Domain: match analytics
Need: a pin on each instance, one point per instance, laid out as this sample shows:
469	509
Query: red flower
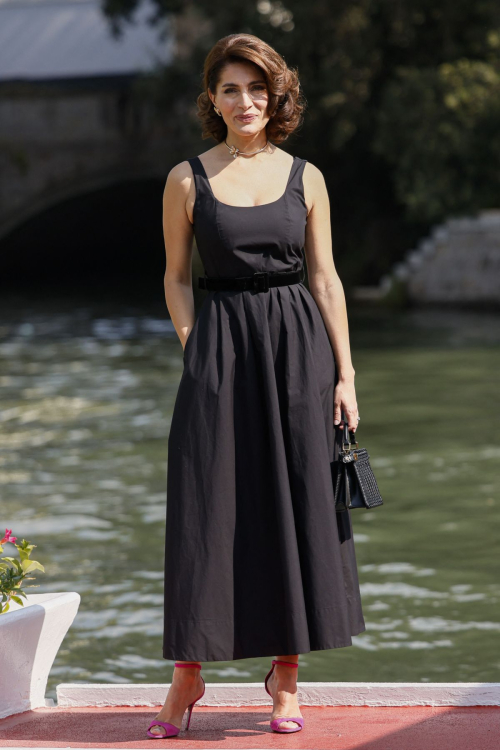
8	537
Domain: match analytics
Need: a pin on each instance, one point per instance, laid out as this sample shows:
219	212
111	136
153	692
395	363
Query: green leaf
30	565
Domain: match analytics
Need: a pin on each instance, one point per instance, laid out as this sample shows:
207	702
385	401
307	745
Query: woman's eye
256	88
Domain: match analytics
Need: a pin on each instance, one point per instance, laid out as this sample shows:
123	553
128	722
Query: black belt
260	281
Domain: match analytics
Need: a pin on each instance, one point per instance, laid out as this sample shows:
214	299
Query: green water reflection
85	416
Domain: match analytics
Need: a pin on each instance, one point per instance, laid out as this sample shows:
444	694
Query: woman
257	561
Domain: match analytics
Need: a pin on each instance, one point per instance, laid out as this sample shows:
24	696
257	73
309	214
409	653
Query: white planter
30	638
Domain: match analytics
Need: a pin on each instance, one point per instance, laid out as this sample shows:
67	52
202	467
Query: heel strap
288	663
188	664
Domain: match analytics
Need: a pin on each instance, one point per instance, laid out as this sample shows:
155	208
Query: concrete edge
70	695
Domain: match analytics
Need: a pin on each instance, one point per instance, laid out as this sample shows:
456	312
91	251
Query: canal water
86	403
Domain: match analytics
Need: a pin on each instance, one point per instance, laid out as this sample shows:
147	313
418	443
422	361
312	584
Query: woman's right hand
345	400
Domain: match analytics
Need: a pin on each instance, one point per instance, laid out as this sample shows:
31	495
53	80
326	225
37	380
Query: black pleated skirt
257	561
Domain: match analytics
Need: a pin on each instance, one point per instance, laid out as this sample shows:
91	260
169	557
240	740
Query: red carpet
366	728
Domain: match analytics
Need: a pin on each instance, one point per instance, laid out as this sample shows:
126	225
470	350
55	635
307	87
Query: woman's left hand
345	400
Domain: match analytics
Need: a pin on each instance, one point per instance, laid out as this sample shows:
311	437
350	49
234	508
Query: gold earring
218	111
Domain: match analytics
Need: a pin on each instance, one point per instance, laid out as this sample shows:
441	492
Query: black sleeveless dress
257	561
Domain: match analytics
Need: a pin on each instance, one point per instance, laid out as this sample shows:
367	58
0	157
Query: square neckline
260	205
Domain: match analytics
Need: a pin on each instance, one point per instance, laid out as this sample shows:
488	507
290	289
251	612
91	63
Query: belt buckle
261	281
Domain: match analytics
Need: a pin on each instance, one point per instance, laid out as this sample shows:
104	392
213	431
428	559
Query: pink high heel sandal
170	729
275	723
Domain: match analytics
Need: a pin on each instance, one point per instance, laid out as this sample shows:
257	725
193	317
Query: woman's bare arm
178	237
327	290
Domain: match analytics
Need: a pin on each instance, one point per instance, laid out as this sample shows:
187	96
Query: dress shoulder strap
197	166
297	169
200	176
295	183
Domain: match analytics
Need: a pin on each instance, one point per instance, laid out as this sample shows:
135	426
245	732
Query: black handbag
354	484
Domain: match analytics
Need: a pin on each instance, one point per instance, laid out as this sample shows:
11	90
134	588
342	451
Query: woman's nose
246	99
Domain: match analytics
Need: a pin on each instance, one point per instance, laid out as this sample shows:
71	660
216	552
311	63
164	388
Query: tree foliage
403	104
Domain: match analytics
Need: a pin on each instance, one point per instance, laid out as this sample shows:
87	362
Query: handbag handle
347	434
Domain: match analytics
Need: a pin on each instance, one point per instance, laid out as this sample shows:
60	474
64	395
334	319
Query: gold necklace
236	151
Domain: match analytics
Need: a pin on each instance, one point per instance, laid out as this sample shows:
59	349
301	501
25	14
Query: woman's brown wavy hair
286	100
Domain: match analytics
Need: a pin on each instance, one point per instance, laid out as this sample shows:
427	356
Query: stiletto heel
275	723
170	729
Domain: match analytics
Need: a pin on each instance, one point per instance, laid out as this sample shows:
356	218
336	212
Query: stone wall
69	139
459	262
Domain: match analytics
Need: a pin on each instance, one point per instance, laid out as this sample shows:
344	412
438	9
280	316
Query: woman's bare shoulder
313	175
179	184
180	174
314	184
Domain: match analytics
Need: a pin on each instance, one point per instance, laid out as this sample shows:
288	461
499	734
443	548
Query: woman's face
242	97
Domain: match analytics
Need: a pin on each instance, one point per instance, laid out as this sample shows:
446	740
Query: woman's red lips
245	117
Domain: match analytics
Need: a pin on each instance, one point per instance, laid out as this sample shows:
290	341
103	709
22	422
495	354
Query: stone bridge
62	142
